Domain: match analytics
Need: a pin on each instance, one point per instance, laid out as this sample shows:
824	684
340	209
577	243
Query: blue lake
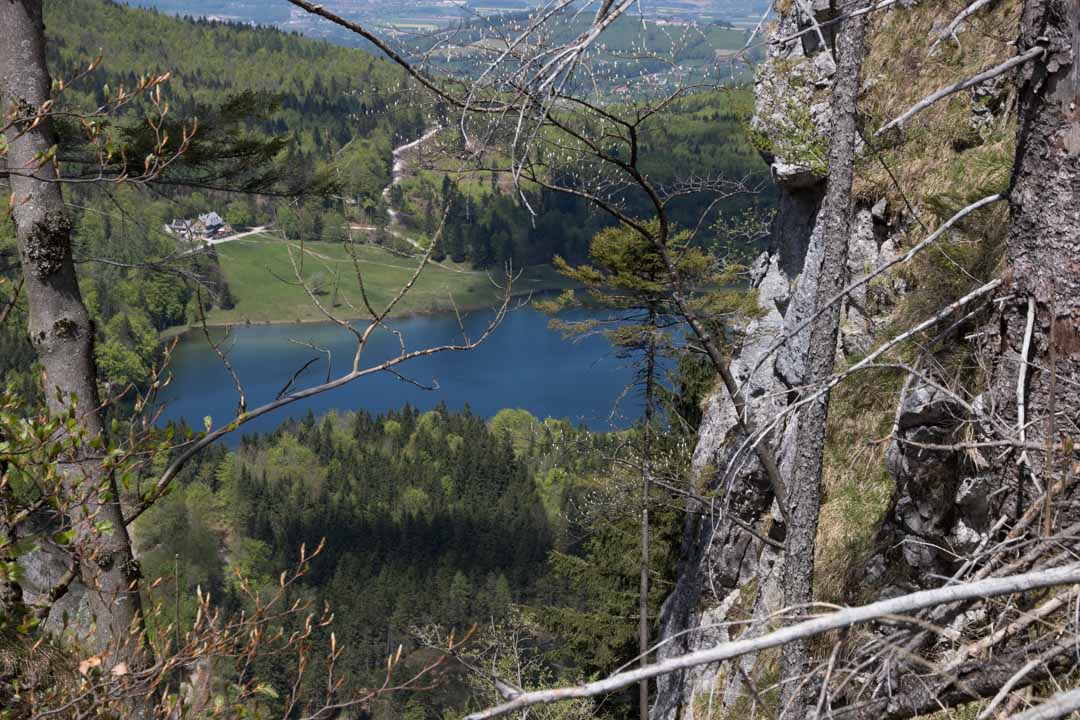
524	364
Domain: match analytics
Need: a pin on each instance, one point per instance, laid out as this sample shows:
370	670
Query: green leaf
64	538
24	546
11	571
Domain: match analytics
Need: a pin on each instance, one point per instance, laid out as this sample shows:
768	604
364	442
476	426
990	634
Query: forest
298	125
269	102
488	226
432	520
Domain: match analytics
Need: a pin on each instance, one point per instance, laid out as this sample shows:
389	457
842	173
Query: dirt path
237	236
398	173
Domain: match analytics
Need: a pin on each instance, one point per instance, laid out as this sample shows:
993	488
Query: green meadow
262	276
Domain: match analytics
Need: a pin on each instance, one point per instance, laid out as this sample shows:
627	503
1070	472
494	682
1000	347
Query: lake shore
179	331
255	271
254	268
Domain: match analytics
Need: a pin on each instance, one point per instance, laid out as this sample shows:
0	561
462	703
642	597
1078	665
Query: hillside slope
275	112
882	502
327	94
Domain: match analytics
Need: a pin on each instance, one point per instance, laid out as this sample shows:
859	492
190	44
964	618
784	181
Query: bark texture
61	330
1043	255
646	460
804	495
725	573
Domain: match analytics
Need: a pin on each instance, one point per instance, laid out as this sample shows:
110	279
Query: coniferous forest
431	520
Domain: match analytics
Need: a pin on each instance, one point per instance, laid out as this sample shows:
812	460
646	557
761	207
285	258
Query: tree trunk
804	494
12	607
1043	256
646	469
62	333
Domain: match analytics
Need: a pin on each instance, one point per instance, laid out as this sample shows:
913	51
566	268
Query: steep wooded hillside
277	114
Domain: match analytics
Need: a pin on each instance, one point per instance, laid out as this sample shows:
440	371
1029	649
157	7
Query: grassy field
259	272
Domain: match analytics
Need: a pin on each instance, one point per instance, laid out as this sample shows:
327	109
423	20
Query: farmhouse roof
211	219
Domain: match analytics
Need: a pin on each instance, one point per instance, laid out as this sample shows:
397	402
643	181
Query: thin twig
1021	382
944	92
848	617
950	31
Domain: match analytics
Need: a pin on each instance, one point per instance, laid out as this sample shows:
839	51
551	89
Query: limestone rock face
792	176
726	572
926	478
873	243
718	557
41	569
791	109
724	569
939	508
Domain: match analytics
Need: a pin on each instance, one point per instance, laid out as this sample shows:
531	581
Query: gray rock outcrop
727	572
938	513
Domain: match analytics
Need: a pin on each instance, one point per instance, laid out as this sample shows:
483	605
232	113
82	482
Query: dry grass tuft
940	152
26	670
856	488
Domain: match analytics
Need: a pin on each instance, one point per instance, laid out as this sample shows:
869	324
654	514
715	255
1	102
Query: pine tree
628	276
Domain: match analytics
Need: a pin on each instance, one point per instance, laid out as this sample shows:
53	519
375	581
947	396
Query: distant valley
434	13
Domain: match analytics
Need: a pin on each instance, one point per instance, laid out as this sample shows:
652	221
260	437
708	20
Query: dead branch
845	618
877	272
754	439
950	31
1057	706
829	23
1035	52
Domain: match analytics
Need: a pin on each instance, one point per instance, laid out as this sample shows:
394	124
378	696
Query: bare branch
1021	380
11	303
1035	52
950	31
840	619
877	272
829	23
1065	646
1057	706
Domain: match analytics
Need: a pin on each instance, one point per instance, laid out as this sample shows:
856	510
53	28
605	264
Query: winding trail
237	236
397	175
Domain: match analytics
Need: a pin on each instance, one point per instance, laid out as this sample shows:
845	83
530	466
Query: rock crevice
725	572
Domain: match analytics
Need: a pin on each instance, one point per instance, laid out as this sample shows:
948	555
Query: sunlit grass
263	282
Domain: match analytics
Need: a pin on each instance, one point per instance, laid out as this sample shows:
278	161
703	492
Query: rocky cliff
889	508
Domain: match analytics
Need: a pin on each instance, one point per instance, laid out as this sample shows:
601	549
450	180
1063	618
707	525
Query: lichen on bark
46	244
